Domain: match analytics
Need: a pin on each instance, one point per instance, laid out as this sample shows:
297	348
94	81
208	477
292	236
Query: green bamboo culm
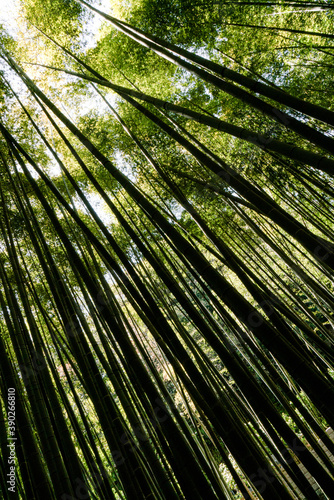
178	342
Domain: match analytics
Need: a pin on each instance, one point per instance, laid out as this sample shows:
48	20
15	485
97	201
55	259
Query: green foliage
60	17
165	293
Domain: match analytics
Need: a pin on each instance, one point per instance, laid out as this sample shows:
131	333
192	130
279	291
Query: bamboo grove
152	354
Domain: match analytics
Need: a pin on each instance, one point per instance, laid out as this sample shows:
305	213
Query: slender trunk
172	52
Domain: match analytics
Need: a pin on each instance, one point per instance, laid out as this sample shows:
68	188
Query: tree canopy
167	250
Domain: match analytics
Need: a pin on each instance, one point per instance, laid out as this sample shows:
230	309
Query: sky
8	14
